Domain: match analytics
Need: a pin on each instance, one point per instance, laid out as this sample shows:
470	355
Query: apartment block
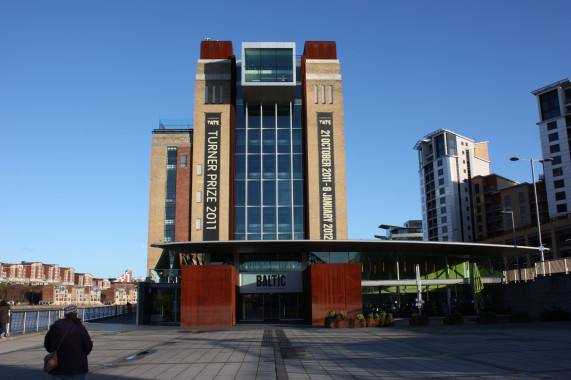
447	164
554	105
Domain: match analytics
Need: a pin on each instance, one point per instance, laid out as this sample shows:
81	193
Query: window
553	136
522	210
443	210
477	188
183	160
330	94
444	219
439	163
441	181
554	148
477	199
551	125
439	141
559	184
508	201
442	191
556	160
523	220
444	238
442	200
316	94
549	104
557	172
521	197
198	224
198	196
205	94
199	169
440	171
562	208
560	196
444	229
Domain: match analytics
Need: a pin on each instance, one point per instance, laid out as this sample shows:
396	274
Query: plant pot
373	322
340	324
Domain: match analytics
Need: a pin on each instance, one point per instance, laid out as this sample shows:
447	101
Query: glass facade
170	199
269	185
268	65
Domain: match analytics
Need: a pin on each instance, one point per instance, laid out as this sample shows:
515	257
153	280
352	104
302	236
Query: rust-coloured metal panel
216	50
183	196
320	50
333	287
208	295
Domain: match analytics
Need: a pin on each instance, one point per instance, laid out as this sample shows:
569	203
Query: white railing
24	321
547	268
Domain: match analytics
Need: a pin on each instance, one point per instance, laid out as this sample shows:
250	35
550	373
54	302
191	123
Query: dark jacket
72	354
4	317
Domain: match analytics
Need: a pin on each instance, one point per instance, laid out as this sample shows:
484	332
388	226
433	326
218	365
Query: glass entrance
271	306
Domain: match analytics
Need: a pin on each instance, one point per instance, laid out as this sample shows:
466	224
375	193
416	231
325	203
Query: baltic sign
326	175
285	282
212	176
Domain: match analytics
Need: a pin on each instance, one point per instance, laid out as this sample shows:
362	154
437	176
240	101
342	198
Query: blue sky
83	84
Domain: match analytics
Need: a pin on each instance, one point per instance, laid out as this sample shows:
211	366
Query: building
554	104
412	230
169	190
253	227
268	157
447	164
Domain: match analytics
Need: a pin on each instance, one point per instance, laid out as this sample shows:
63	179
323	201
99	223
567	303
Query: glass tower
269	183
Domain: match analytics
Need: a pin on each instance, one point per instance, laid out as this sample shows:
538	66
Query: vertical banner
327	228
211	176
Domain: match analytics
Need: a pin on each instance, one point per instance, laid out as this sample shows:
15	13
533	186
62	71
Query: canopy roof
382	246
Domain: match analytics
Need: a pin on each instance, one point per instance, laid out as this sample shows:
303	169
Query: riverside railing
547	268
23	321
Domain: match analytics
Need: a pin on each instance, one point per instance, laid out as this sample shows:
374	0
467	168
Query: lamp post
510	212
531	160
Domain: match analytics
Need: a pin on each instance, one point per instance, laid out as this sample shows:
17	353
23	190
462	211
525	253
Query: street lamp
531	160
513	224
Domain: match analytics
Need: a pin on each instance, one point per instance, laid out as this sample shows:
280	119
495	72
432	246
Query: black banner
326	175
211	176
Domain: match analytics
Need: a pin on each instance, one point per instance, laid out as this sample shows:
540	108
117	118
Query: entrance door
271	306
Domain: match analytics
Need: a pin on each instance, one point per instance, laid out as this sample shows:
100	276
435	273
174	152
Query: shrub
370	316
330	318
343	315
360	317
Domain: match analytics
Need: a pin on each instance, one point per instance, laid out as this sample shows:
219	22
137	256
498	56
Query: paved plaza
125	351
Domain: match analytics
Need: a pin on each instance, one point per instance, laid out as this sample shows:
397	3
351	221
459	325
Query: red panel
333	287
320	50
216	50
208	295
183	195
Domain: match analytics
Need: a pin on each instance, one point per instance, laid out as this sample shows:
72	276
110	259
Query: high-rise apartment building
447	164
266	157
554	104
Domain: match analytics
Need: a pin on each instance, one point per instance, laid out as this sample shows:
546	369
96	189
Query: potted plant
419	320
343	321
487	317
330	318
373	320
361	321
389	320
455	318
